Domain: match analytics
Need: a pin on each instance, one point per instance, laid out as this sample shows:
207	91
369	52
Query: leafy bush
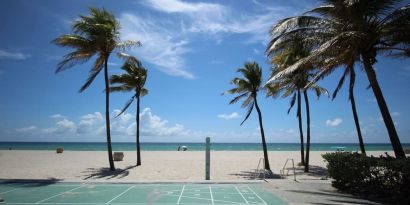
383	177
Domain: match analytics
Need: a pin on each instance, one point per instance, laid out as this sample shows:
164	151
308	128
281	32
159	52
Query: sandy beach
156	165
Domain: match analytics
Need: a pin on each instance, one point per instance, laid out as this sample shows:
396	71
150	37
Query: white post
207	158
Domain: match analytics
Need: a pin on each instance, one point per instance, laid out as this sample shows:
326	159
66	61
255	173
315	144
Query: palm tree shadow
105	172
315	171
253	175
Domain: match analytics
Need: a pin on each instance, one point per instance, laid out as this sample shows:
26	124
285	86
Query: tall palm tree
288	86
248	88
367	27
293	85
94	35
352	76
133	79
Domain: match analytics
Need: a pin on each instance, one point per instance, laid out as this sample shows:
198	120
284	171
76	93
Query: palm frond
127	104
237	98
248	113
143	92
292	102
98	65
340	84
122	88
248	100
74	58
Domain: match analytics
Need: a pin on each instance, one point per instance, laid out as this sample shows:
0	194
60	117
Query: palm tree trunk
307	132
355	116
388	121
138	131
107	114
265	150
302	146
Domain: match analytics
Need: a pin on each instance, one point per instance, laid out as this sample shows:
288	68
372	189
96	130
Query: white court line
13	189
212	197
122	193
182	191
257	195
58	194
236	187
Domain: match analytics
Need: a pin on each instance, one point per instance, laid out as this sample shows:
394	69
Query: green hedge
384	177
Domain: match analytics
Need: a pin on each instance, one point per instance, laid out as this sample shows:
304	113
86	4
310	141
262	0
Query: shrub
383	177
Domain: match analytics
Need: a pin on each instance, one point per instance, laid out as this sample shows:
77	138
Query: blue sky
192	50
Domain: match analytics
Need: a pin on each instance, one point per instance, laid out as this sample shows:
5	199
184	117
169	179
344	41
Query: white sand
156	165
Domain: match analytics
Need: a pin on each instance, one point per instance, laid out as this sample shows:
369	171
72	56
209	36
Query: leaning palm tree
293	85
367	27
248	87
133	79
349	70
94	35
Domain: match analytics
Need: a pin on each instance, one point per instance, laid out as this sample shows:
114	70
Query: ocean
130	146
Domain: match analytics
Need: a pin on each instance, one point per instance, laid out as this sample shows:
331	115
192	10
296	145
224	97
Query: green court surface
124	194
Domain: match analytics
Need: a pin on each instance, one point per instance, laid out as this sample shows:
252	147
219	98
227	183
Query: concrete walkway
311	191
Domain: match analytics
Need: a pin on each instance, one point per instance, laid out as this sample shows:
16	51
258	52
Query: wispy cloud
216	19
166	38
231	116
13	55
161	46
27	129
334	122
395	114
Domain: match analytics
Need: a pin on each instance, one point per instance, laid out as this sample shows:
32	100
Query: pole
207	158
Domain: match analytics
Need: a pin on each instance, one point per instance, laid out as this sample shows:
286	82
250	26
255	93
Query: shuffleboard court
138	194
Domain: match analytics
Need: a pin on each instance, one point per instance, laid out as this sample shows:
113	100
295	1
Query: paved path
318	192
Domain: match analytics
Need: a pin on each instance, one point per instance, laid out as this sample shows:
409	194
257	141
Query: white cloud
395	114
231	116
334	122
57	116
88	121
13	56
215	19
161	46
27	129
122	127
61	127
177	6
165	39
153	125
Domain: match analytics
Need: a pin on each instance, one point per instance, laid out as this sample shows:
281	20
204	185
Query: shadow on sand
94	173
314	171
253	175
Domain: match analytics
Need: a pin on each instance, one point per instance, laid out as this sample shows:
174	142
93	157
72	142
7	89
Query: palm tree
289	87
133	79
352	76
367	27
293	85
93	35
248	87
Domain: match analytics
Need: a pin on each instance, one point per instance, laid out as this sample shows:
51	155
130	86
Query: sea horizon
192	146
